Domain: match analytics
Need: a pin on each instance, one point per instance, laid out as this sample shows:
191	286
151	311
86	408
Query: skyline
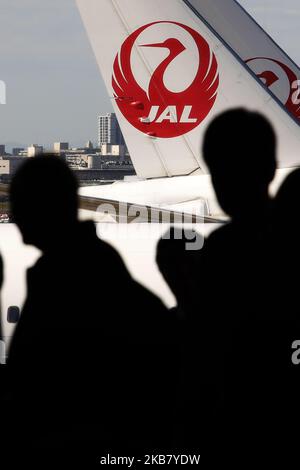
54	88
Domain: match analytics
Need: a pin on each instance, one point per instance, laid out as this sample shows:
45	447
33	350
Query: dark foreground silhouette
240	151
286	337
92	359
2	351
1	282
246	263
97	364
235	348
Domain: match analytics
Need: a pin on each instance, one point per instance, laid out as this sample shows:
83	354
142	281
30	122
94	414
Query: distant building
4	167
76	160
61	147
17	150
89	145
34	150
114	150
94	162
2	149
76	151
23	153
109	131
9	165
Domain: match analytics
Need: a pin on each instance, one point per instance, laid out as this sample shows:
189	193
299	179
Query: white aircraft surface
169	67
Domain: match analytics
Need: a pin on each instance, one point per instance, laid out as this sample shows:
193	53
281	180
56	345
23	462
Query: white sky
54	88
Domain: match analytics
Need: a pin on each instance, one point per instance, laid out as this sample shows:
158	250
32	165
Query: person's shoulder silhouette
239	149
44	204
84	315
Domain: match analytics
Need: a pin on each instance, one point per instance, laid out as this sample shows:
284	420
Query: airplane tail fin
255	47
171	66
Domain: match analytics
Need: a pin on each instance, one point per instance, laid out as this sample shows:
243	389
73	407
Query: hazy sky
54	89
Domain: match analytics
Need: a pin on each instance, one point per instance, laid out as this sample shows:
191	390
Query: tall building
109	131
60	147
34	150
2	149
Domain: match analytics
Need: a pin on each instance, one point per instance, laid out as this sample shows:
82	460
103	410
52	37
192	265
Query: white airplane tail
169	71
255	47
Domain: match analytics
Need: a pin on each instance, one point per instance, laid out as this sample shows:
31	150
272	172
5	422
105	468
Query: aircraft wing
126	212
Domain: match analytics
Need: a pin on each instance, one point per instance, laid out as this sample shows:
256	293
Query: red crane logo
284	85
158	111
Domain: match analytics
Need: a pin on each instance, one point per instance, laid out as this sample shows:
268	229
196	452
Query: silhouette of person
1	283
233	295
2	347
176	256
286	207
93	356
287	315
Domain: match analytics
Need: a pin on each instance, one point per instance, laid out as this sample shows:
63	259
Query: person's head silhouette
44	201
240	151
